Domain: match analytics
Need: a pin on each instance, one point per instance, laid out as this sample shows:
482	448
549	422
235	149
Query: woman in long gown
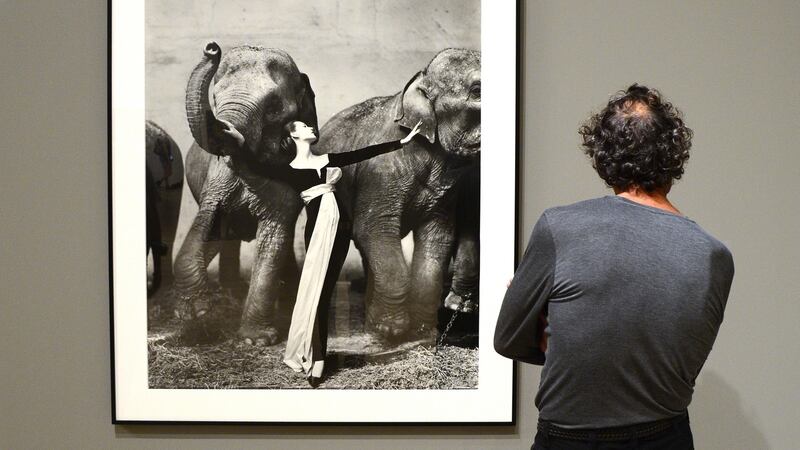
327	237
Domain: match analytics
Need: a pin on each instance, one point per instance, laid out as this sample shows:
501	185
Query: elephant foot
260	337
158	313
461	303
389	323
193	306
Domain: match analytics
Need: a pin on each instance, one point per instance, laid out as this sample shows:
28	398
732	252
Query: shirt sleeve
518	331
722	279
354	156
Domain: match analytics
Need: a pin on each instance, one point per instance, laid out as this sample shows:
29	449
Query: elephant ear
414	106
308	105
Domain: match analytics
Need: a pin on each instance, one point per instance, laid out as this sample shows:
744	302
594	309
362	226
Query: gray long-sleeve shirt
634	296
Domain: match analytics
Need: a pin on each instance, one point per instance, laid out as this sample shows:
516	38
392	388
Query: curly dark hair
638	139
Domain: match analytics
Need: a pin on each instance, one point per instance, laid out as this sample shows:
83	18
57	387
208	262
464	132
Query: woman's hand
411	135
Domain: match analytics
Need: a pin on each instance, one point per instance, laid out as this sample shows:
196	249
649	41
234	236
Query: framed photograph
327	241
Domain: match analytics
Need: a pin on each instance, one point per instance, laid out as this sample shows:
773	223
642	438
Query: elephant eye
273	108
475	92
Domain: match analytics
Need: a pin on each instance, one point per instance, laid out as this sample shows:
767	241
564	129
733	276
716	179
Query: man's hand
543	335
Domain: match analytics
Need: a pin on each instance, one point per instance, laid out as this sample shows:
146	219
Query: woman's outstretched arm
351	157
354	156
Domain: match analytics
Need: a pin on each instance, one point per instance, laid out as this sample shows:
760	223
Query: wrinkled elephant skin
164	168
413	189
256	91
463	295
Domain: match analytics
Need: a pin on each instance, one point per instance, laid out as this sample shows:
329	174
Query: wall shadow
720	420
306	432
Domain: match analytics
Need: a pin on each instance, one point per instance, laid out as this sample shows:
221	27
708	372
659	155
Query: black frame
518	140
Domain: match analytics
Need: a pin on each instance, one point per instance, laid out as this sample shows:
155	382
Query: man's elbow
505	347
509	350
501	347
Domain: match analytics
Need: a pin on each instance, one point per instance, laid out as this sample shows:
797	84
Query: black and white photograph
316	244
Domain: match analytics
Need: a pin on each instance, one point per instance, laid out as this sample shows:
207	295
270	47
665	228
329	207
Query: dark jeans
678	437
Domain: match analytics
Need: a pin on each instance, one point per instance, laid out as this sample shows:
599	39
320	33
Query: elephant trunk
198	108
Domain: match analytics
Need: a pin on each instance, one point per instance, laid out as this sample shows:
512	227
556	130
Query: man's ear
413	105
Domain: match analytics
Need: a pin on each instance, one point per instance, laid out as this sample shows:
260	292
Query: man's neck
657	198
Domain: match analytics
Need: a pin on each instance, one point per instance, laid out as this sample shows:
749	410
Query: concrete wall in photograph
351	50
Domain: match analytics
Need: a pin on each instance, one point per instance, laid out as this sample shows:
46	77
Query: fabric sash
333	175
298	353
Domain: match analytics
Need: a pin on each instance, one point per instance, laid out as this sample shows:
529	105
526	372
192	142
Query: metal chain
447	328
467	299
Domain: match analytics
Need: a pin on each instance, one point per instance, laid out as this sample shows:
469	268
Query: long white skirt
298	345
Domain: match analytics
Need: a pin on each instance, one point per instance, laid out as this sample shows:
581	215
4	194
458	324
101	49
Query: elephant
164	182
414	189
463	295
256	91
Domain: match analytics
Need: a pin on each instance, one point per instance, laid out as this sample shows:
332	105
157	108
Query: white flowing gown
315	267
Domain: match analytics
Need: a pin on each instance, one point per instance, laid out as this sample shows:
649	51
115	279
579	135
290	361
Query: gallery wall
730	66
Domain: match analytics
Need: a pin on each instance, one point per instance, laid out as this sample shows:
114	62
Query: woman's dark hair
637	139
287	143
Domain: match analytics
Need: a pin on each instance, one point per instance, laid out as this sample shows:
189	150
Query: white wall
731	66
